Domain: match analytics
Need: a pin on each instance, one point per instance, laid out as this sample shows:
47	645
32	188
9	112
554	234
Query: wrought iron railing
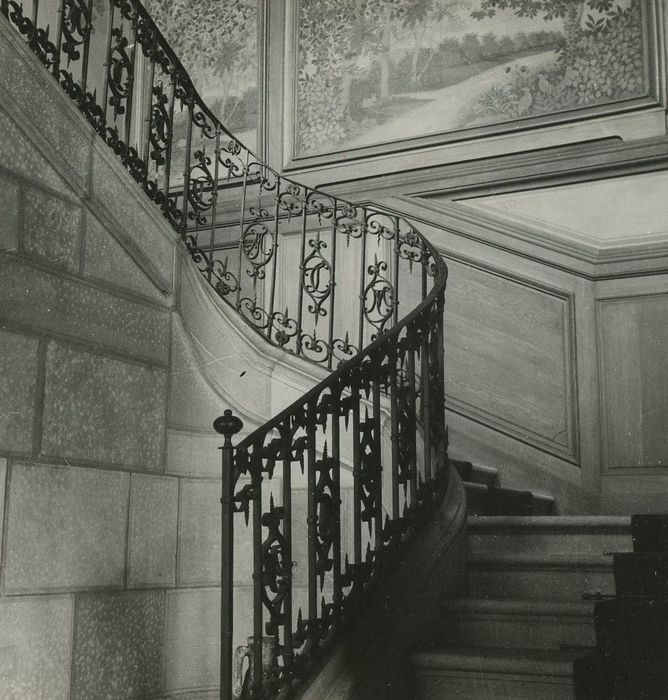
316	275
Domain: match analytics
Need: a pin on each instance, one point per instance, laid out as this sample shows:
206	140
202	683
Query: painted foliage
216	40
377	71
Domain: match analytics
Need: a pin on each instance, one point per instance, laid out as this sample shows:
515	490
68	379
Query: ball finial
228	424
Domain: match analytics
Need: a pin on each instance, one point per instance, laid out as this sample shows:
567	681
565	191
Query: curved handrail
386	370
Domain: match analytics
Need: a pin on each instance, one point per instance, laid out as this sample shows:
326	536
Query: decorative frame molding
571	451
654	23
643	289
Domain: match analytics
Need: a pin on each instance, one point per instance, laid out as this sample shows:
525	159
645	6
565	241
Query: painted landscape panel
380	71
216	40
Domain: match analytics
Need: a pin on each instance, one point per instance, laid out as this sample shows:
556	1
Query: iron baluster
424	272
287	645
227	425
214	203
242	226
86	48
170	131
148	109
396	271
59	37
300	286
425	405
362	275
132	52
34	11
107	63
333	287
258	630
357	471
337	594
394	432
312	513
186	175
376	481
411	434
272	294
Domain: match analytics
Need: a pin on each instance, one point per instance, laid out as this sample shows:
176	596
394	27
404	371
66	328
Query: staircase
528	612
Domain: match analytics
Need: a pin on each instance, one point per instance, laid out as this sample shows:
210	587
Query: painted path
444	109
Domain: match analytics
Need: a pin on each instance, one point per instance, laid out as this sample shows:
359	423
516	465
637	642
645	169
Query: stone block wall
110	550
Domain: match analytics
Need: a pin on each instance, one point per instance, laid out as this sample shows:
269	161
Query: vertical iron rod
332	282
214	204
357	471
59	37
107	63
86	51
396	270
274	262
312	512
129	101
287	547
412	420
256	663
186	173
227	425
336	496
425	405
378	464
149	117
170	136
300	286
242	224
362	274
394	437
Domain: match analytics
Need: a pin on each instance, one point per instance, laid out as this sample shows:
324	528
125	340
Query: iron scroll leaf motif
317	277
160	126
120	71
276	569
75	28
379	297
201	188
37	37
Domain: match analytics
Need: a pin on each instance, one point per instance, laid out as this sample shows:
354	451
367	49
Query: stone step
476	474
537	577
483	500
491	674
579	535
518	623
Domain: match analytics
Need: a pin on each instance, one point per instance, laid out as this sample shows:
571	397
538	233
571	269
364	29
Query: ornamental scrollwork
317	277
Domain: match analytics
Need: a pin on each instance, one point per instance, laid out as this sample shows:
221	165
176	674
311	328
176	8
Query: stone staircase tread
493	560
546	523
523	606
535	662
485	475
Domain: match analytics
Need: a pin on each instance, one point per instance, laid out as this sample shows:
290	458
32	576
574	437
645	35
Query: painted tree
217	42
427	21
571	11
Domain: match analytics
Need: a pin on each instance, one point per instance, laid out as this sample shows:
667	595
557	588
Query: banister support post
227	425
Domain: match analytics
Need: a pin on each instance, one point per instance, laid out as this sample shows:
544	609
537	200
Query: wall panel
510	357
633	337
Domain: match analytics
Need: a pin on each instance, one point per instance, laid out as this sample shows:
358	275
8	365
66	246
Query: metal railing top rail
272	245
131	86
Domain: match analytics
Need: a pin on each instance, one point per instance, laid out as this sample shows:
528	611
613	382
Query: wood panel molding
632	341
507	333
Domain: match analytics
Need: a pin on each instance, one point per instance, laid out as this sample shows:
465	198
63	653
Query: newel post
227	425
